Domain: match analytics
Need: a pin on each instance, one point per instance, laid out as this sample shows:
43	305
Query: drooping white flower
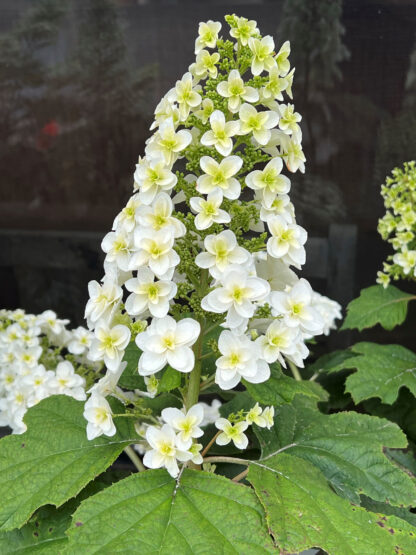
236	91
221	133
296	307
255	416
281	206
207	108
163	111
220	176
207	35
275	272
184	94
211	412
98	413
205	65
244	30
328	309
268	415
208	210
269	181
240	359
155	248
232	432
118	246
275	86
287	241
235	295
257	123
164	452
80	341
407	260
282	61
289	119
148	294
187	425
126	219
103	300
221	251
166	341
158	216
195	450
152	177
279	340
109	345
66	382
262	50
168	142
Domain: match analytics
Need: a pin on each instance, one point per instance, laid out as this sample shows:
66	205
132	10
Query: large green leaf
331	362
152	513
53	460
376	305
280	389
381	371
302	511
347	447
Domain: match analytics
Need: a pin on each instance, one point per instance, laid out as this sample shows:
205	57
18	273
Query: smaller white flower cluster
172	441
32	366
398	225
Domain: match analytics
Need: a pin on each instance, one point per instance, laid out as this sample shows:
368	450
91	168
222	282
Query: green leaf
152	513
331	362
376	305
53	460
130	378
302	511
385	509
280	389
347	447
160	402
171	379
381	371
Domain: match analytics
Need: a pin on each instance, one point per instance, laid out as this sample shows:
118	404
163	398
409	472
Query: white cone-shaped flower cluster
39	357
209	236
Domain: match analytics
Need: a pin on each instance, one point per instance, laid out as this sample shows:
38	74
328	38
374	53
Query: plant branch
231	460
210	443
134	458
294	370
240	476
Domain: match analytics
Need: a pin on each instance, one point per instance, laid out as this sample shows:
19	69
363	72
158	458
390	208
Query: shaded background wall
79	80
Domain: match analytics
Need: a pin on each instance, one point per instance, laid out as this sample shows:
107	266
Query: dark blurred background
79	80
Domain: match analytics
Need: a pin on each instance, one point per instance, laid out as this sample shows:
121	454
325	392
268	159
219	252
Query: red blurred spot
44	139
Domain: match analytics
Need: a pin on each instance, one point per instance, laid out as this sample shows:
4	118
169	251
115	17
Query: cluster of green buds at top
398	225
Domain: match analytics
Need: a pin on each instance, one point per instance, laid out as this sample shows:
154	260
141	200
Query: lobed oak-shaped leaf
381	371
302	511
376	305
347	447
152	513
53	460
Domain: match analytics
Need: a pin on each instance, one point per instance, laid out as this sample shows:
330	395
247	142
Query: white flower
166	341
148	294
220	176
281	206
30	356
205	65
153	176
165	110
152	385
255	416
274	271
164	452
282	61
67	382
168	142
118	245
126	219
244	30
275	86
295	306
240	359
208	211
98	413
186	424
293	154
206	110
268	415
38	383
222	251
155	248
195	449
287	241
80	341
257	123
104	300
262	50
269	181
49	322
289	119
159	216
279	340
407	260
220	133
207	35
211	412
184	94
109	345
328	309
230	432
236	294
235	90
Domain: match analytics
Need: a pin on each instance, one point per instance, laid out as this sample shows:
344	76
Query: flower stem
240	476
231	460
134	458
294	370
210	443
